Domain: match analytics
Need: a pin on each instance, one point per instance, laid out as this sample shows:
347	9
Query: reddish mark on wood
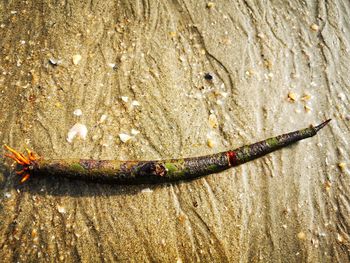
232	158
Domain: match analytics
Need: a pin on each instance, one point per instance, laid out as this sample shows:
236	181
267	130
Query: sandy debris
134	132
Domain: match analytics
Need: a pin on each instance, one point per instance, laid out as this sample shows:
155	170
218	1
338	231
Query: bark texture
290	206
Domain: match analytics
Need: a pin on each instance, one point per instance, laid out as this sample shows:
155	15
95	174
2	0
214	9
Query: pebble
342	166
301	235
307	108
292	96
76	59
210	143
314	27
210	5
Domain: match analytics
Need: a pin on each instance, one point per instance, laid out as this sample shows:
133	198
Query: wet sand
275	67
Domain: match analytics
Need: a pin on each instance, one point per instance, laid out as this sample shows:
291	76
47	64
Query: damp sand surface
151	80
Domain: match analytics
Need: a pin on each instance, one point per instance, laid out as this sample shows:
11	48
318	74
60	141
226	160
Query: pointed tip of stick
320	126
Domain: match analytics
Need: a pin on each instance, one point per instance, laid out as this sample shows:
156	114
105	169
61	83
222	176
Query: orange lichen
19	158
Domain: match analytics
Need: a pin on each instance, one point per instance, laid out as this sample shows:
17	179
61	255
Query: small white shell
61	209
124	137
134	132
135	103
124	98
103	118
76	59
79	130
146	190
78	112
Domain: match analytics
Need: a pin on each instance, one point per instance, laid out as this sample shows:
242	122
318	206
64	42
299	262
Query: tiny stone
172	34
261	35
306	97
34	233
210	143
76	59
314	27
210	5
307	108
112	65
301	235
340	238
124	137
292	96
342	166
224	94
342	96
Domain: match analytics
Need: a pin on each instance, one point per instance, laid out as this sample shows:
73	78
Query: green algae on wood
136	172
